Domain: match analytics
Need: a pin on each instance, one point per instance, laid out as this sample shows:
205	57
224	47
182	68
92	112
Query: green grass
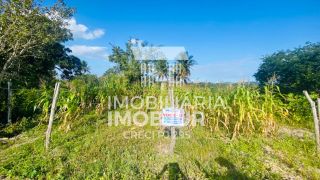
93	150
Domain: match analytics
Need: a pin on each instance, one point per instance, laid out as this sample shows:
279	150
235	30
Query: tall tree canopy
125	62
31	37
293	70
54	57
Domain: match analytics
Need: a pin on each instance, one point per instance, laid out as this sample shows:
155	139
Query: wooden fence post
315	117
52	112
172	128
9	102
318	102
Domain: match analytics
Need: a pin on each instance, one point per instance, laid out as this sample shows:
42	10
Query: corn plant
43	103
240	109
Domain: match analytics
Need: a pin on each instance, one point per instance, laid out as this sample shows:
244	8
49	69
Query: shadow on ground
232	172
173	170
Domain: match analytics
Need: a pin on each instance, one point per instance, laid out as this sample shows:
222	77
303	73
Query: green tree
128	66
25	28
31	47
31	37
69	65
52	60
125	62
292	70
185	67
161	69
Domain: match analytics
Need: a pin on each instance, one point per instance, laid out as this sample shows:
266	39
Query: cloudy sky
226	38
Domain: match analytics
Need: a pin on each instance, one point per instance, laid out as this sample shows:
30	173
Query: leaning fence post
315	117
53	107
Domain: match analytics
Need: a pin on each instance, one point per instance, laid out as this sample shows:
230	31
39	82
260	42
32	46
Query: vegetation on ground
249	130
94	150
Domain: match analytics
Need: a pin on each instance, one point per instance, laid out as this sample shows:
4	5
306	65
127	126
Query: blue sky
226	38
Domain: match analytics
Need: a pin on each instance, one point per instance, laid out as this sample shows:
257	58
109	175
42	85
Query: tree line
292	70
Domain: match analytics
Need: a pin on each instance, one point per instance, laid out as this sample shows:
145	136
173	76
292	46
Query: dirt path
296	132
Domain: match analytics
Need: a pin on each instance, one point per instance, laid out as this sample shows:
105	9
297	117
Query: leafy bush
18	127
299	108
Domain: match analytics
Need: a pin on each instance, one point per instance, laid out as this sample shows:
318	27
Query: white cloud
82	32
90	52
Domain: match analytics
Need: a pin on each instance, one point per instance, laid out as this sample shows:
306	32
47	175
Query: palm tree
183	71
161	69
